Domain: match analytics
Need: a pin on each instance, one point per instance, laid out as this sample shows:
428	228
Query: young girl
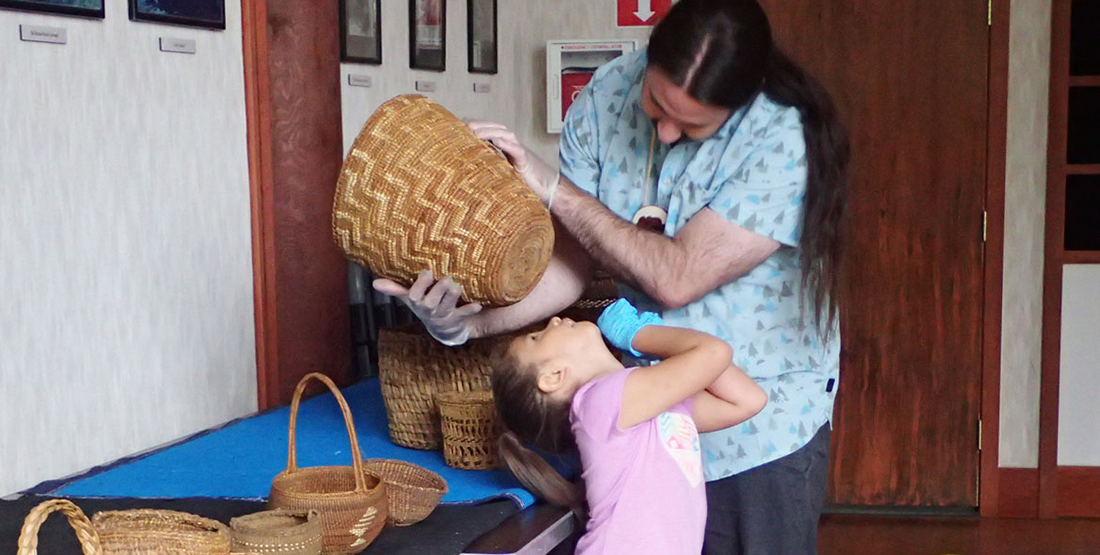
636	428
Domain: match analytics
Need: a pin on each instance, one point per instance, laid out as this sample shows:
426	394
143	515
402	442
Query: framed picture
83	8
481	35
428	34
192	13
361	31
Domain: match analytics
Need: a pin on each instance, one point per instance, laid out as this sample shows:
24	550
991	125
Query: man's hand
436	307
540	176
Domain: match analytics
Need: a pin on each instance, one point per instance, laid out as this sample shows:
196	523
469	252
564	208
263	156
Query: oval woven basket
351	500
85	532
149	531
413	491
279	531
419	191
470	430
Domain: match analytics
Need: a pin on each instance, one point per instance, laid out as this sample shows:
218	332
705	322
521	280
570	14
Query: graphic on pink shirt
681	440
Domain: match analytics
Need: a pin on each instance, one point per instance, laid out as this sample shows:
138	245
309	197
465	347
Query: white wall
517	98
126	318
1025	202
1079	381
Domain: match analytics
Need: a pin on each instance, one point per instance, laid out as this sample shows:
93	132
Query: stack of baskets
417	374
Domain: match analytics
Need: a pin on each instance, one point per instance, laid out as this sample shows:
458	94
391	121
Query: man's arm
708	252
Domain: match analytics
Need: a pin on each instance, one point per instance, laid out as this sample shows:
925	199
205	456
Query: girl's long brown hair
531	417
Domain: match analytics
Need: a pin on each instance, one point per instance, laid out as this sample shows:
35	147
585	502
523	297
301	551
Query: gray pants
772	509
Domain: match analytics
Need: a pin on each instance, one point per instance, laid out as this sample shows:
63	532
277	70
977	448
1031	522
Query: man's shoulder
617	77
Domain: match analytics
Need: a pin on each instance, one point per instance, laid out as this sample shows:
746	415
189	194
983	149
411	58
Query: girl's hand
620	322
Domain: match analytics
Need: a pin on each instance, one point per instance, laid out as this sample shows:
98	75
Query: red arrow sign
641	13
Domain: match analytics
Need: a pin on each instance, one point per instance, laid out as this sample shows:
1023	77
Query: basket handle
356	456
85	533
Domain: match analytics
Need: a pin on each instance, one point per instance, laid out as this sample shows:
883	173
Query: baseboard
1078	491
1018	495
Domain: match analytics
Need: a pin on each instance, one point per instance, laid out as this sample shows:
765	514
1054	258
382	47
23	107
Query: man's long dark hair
721	52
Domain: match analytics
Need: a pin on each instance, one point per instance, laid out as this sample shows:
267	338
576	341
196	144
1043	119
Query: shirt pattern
753	172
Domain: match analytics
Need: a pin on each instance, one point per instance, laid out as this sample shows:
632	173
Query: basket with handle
151	532
419	191
412	491
85	532
470	430
351	500
281	531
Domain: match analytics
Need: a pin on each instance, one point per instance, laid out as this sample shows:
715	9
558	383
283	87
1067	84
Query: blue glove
620	322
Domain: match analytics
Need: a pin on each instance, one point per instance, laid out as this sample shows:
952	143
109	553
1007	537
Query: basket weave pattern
413	368
85	533
351	500
148	531
412	491
419	191
279	531
470	430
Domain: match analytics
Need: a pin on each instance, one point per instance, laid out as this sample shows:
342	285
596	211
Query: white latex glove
435	307
540	176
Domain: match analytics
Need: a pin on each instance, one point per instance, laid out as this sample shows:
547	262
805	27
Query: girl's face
568	354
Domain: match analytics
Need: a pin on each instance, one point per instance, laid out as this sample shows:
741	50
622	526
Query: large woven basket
470	430
419	191
412	491
279	531
85	533
351	500
413	368
153	532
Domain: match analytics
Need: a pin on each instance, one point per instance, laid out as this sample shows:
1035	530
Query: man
736	159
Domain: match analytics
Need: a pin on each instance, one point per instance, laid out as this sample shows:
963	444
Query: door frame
996	160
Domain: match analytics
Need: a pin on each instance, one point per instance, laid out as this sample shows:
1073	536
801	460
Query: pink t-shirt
645	483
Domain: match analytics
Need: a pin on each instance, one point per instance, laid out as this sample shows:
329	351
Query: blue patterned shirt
753	172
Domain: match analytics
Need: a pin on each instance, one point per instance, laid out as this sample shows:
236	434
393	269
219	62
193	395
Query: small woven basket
279	531
85	533
152	532
412	491
419	191
351	500
470	430
413	368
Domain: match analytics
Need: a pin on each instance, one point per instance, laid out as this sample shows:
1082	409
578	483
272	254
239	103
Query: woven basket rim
282	477
441	486
247	523
123	521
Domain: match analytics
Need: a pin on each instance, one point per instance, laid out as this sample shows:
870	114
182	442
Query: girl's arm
730	400
692	361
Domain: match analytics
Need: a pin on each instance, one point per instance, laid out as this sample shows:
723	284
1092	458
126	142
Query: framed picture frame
361	31
208	14
428	34
481	36
80	8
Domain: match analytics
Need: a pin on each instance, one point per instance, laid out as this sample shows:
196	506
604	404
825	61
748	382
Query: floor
856	535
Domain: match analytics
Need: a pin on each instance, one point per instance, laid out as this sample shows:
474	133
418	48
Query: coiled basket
419	191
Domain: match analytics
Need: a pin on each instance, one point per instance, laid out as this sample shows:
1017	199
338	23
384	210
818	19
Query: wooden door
910	77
